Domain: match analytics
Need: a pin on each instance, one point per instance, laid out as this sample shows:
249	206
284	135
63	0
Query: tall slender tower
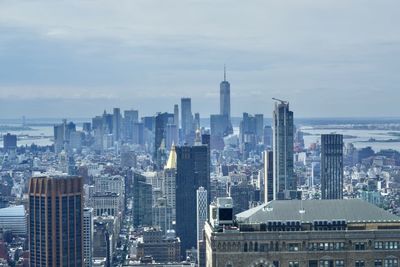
332	166
87	236
187	119
225	97
176	120
268	175
284	180
55	221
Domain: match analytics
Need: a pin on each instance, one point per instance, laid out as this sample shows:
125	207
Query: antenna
224	73
282	101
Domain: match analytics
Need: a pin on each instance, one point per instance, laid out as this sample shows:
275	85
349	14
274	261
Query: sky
331	58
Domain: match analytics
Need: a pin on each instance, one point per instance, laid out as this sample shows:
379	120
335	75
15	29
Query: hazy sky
76	58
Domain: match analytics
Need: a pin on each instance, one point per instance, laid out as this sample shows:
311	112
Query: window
359	246
391	263
378	263
293	264
359	264
312	263
275	263
293	247
339	263
326	263
378	245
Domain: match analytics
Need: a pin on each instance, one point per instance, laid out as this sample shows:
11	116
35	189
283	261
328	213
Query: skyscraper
268	175
176	120
116	124
187	120
332	166
142	201
9	141
193	171
201	210
225	97
55	221
87	237
284	180
162	120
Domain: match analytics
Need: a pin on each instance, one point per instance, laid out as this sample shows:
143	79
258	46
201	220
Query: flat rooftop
351	210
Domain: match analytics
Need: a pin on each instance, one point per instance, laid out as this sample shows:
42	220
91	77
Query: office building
138	133
267	136
162	248
170	182
192	172
187	121
13	219
225	97
116	124
162	214
268	175
242	194
259	121
9	141
130	118
142	201
55	221
162	120
284	179
87	237
219	128
332	166
295	233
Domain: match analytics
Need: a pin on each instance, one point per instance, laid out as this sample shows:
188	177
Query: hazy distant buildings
9	141
162	120
187	120
55	221
267	136
225	97
284	180
116	124
332	166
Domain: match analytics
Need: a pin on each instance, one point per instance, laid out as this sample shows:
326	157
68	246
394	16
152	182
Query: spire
224	73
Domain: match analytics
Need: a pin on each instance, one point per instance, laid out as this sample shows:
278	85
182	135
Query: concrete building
162	249
332	166
87	237
313	233
55	221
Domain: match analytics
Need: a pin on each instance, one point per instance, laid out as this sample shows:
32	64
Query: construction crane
282	101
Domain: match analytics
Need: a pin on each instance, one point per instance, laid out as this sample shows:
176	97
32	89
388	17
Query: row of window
386	245
390	262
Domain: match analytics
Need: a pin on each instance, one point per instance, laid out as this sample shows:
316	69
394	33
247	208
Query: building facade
283	131
293	233
332	166
55	221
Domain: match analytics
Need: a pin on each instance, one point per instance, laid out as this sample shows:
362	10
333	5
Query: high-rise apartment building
332	166
201	211
284	180
55	221
87	237
268	175
193	171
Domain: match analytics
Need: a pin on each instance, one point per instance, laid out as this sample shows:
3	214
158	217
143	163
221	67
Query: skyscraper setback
55	221
332	166
284	180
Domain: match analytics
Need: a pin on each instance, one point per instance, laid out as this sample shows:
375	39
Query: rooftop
351	210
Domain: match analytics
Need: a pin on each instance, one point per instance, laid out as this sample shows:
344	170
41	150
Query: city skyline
302	51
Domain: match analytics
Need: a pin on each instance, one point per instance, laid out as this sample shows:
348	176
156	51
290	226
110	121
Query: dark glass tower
332	166
55	221
187	120
193	171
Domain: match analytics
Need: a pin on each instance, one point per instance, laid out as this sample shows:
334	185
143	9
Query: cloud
138	50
